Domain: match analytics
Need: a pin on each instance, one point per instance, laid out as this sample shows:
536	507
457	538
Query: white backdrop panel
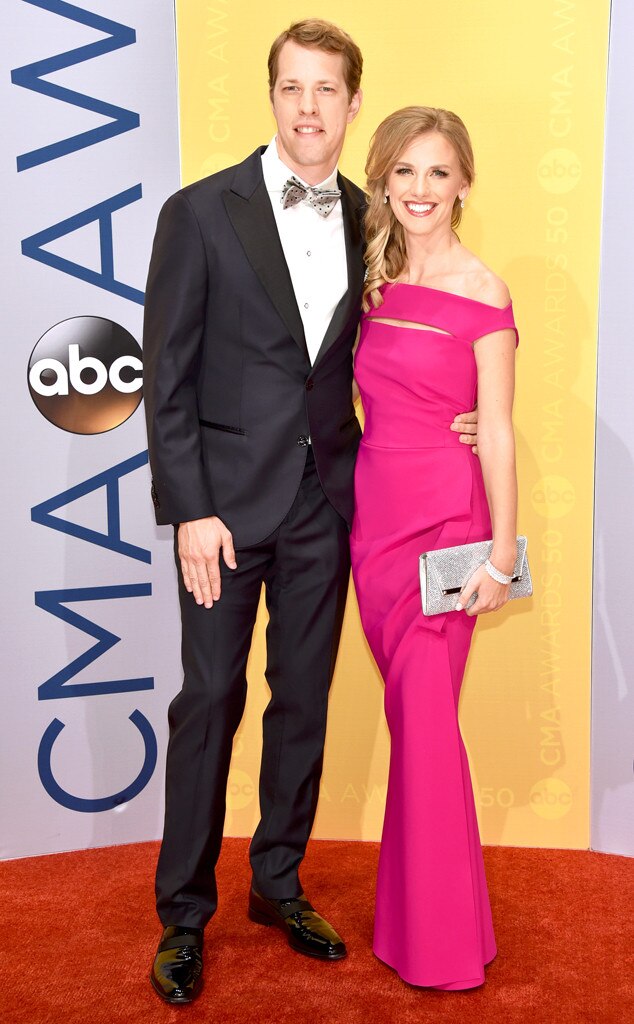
89	99
612	819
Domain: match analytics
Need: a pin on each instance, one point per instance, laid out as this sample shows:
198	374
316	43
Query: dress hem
447	986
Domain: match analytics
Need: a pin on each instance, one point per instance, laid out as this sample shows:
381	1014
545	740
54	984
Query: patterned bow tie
323	200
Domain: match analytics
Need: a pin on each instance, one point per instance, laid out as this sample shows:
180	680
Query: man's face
312	108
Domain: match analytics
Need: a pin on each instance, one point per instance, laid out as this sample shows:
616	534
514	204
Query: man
252	307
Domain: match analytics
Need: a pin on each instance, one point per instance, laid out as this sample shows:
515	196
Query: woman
437	327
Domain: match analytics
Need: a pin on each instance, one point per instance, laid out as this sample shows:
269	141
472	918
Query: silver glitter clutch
443	574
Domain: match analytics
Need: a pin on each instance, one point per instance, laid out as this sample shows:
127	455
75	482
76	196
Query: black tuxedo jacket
230	394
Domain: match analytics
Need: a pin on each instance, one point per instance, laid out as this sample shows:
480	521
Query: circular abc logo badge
217	162
240	790
559	171
553	497
86	375
550	798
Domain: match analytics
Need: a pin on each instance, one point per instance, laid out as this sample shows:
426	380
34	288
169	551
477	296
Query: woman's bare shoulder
483	284
494	290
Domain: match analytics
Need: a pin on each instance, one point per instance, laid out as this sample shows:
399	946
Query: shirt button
305	305
302	441
308	253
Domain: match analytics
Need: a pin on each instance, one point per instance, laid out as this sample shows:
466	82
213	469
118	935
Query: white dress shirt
314	248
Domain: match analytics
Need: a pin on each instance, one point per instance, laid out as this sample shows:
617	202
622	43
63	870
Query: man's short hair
320	35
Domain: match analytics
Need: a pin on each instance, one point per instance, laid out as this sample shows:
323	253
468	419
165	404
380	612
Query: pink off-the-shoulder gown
418	489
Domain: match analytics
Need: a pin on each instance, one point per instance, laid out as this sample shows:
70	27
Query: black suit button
310	384
302	441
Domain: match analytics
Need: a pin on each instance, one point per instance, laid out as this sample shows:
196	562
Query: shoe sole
169	999
259	918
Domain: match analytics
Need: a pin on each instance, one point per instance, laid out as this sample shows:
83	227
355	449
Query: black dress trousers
304	565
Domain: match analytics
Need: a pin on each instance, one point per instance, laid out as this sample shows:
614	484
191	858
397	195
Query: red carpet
80	933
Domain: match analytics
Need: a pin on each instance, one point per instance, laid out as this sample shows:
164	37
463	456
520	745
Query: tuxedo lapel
352	210
249	209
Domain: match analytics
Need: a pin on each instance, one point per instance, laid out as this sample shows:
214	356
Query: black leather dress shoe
307	932
178	966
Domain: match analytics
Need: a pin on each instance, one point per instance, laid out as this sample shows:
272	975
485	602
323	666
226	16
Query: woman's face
424	183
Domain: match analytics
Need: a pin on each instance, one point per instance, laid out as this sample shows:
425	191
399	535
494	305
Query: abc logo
553	497
240	790
550	798
217	162
86	375
559	171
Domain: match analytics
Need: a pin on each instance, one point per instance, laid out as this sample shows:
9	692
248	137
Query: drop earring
385	195
462	204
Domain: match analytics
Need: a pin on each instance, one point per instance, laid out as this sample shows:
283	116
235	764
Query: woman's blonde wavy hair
385	254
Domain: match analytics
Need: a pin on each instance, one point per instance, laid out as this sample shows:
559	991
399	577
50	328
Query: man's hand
466	424
199	545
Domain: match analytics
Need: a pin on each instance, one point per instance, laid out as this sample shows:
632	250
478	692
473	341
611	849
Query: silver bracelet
495	574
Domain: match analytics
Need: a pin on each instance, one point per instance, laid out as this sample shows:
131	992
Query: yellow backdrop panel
529	81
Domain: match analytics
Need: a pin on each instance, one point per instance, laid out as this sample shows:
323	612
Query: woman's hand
491	594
